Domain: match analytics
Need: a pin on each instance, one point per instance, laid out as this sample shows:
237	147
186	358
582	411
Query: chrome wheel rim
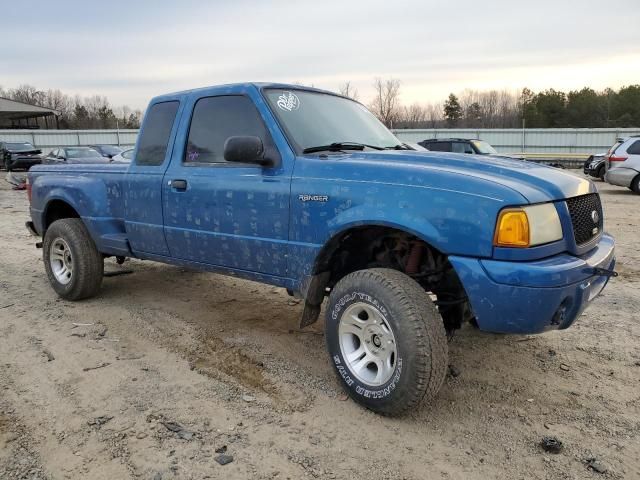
367	344
60	261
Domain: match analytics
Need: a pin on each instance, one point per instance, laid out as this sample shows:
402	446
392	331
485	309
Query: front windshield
313	119
20	147
82	153
484	148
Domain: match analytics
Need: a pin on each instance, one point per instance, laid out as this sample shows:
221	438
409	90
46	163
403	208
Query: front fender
453	222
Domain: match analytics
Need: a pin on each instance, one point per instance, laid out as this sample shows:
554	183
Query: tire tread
89	266
425	323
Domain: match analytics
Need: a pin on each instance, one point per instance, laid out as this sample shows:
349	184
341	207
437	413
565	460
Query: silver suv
623	164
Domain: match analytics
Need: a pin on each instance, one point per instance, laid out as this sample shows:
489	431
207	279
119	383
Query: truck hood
535	182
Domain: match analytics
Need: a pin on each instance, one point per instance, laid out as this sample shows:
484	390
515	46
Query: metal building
14	114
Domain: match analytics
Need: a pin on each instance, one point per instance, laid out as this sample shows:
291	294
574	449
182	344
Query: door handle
178	184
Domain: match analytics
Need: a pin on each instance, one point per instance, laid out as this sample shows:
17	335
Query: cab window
154	138
214	120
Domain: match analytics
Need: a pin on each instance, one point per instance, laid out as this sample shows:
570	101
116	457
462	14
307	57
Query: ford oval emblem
595	217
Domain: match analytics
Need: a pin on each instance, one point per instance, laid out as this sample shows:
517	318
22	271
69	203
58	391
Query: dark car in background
458	145
19	155
68	155
595	166
108	151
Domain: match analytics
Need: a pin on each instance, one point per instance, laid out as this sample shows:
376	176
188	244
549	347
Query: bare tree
386	103
348	90
434	115
26	94
415	114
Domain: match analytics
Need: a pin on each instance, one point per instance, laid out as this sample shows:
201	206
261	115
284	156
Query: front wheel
386	340
73	264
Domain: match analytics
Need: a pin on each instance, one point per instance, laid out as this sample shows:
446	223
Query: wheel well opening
376	246
56	210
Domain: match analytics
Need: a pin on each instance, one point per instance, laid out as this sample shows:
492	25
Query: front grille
586	217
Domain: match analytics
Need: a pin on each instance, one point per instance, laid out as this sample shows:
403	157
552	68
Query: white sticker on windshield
288	101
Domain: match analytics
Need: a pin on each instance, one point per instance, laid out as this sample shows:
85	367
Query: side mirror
245	149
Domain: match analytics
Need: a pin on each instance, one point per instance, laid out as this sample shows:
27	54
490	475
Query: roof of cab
258	85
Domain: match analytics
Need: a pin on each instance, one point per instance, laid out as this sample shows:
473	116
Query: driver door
220	213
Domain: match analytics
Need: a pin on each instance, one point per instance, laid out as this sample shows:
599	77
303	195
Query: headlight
527	226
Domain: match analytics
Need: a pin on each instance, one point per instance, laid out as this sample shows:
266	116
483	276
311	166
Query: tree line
585	108
93	112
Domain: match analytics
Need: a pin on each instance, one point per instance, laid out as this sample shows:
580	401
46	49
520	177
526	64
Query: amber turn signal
512	229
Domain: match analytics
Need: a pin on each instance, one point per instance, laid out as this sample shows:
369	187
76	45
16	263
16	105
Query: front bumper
536	296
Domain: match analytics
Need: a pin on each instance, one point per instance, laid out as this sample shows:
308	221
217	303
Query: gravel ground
167	369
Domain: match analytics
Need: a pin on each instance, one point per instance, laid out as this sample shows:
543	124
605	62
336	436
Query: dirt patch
214	357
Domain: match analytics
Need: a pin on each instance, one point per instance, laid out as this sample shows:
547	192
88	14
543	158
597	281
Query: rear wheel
386	340
72	262
635	184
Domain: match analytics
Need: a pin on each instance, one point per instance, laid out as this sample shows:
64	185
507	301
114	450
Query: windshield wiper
400	146
337	146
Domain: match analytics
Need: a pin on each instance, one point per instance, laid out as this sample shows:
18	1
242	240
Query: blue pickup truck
307	190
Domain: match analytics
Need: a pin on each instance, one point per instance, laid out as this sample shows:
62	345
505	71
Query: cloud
131	51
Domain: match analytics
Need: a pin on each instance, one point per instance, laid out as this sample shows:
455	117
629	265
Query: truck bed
102	211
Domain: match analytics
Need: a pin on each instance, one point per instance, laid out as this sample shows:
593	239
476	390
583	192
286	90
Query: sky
132	50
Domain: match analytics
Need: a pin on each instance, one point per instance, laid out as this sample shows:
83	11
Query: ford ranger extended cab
304	189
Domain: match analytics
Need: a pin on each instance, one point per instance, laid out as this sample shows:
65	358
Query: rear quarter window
154	138
634	148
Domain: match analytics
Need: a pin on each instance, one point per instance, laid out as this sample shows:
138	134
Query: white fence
538	140
47	140
532	140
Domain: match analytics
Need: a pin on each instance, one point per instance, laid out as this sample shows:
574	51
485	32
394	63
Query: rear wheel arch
57	209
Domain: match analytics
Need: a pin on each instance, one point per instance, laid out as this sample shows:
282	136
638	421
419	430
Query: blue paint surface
251	221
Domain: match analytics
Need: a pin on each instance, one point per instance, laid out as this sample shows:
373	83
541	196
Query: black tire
87	264
600	172
635	184
420	364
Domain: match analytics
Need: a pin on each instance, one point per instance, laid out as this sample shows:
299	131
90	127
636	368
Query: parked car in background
461	145
17	155
595	166
623	164
123	157
108	151
75	155
415	146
